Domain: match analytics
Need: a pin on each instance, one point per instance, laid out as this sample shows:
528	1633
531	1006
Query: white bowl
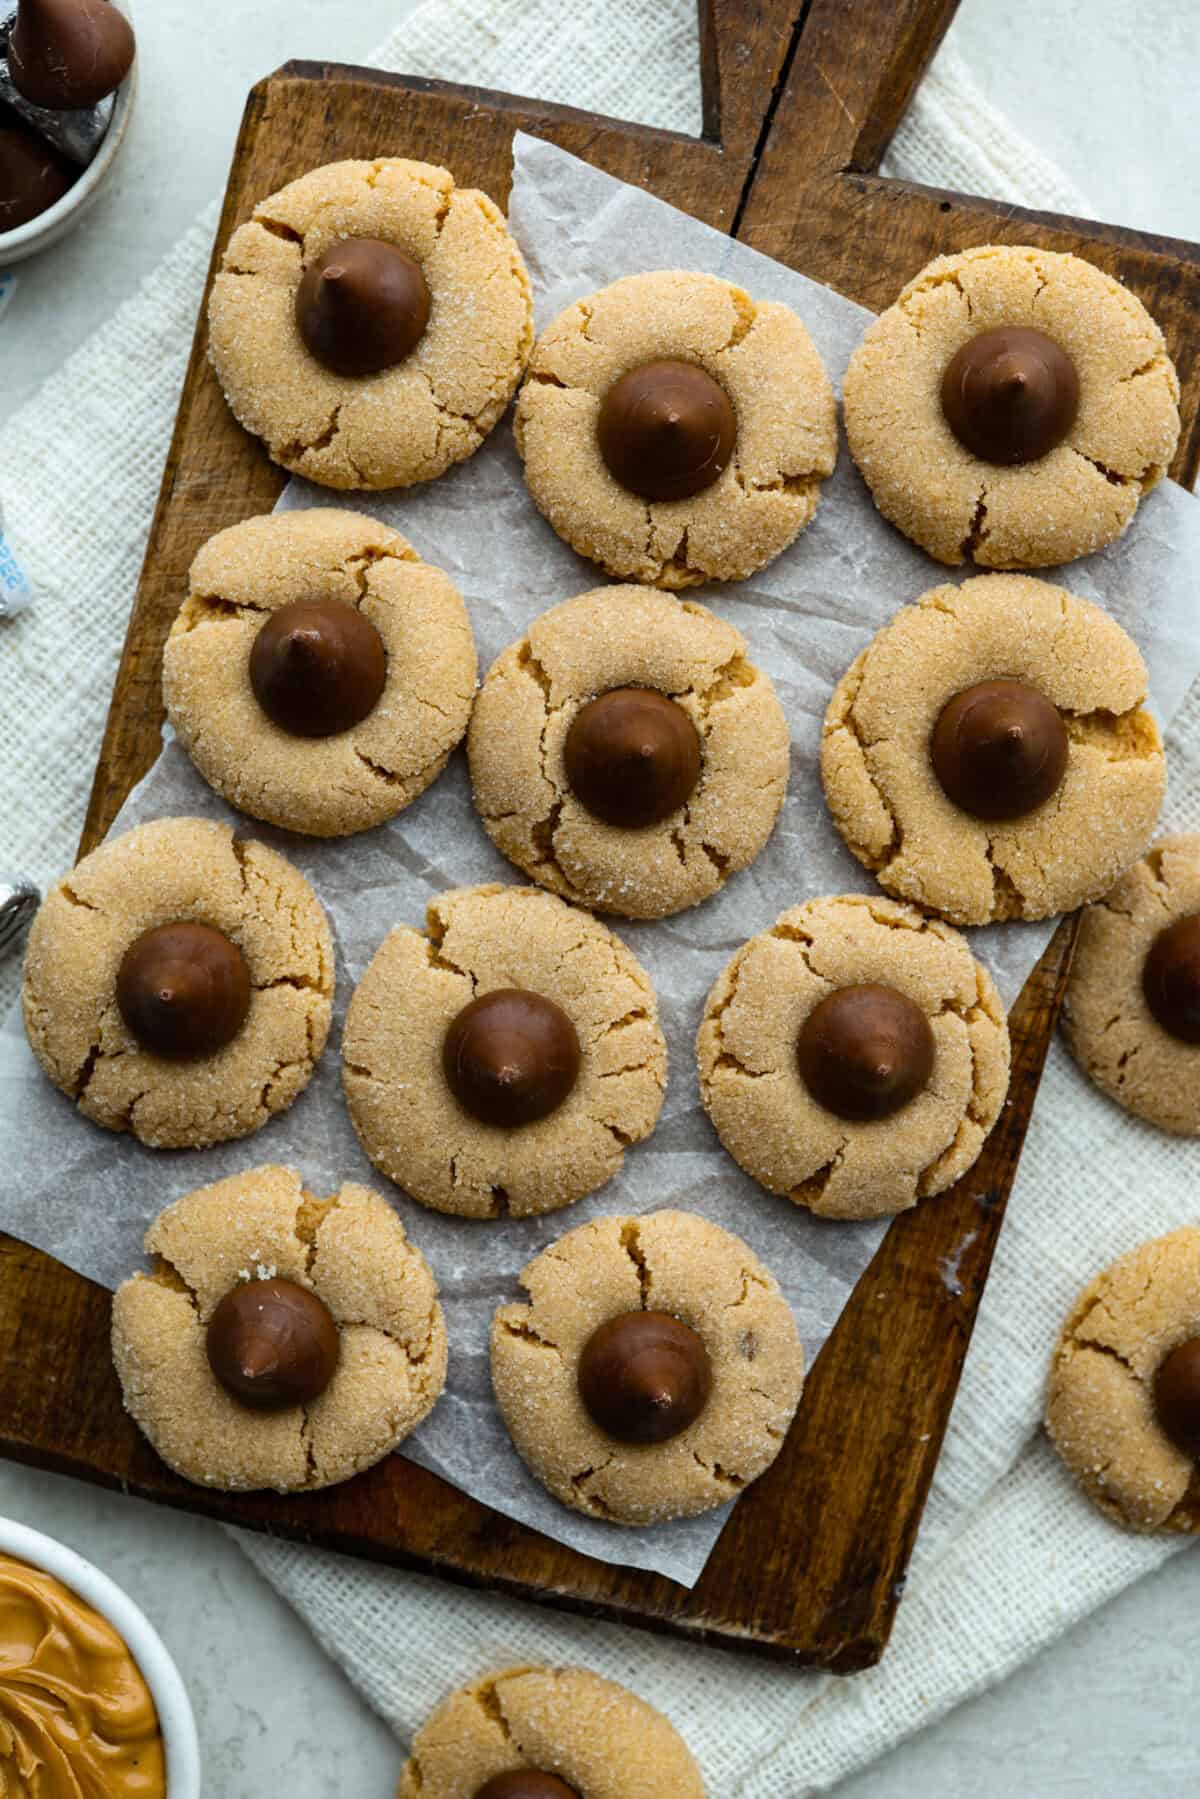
158	1670
38	234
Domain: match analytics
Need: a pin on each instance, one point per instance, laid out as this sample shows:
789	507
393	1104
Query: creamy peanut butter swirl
76	1717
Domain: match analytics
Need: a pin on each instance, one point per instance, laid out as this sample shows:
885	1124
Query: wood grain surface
799	105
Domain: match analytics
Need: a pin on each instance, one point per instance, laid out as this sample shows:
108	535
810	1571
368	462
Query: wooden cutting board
799	106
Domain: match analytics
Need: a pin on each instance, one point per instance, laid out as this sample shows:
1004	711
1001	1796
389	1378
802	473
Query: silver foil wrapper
18	902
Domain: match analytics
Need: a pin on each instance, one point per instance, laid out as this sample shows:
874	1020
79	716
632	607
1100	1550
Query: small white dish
175	1718
53	224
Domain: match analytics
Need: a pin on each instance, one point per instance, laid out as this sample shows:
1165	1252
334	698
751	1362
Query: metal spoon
18	902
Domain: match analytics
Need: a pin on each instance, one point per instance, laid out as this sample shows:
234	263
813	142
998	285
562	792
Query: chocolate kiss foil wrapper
78	134
15	592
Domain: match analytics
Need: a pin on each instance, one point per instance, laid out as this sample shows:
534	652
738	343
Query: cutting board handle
860	63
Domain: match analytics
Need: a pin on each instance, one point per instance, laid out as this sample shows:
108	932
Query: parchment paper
86	1196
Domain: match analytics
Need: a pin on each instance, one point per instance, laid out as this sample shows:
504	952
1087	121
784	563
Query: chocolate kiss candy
632	756
317	667
1171	978
526	1783
64	54
33	176
1010	395
644	1377
666	430
362	306
183	990
510	1057
1177	1396
999	749
865	1051
273	1344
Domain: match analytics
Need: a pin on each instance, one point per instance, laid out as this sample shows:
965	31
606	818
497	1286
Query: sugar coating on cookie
621	637
751	1082
786	443
600	1739
351	1251
1106	1021
325	786
887	801
1074	499
1100	1406
671	1262
409	422
157	874
480	940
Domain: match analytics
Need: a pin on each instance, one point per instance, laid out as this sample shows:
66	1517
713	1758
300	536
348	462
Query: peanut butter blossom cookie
854	1057
676	431
627	754
503	1059
280	1340
1123	1406
319	673
989	754
653	1372
1012	407
179	984
1131	1016
548	1733
370	322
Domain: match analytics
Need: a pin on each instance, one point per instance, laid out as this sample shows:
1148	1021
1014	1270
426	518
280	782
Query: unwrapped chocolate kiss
67	54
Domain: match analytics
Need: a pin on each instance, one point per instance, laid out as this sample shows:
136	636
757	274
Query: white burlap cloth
1009	1555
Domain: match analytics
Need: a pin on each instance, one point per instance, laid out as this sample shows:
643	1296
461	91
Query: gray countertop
1109	92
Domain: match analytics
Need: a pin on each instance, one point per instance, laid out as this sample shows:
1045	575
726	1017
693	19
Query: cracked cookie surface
750	1078
673	1262
409	422
888	804
160	873
325	786
478	940
628	637
762	356
1071	501
1100	1409
349	1249
597	1737
1106	1022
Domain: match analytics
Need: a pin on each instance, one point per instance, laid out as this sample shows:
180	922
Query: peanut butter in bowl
77	1720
